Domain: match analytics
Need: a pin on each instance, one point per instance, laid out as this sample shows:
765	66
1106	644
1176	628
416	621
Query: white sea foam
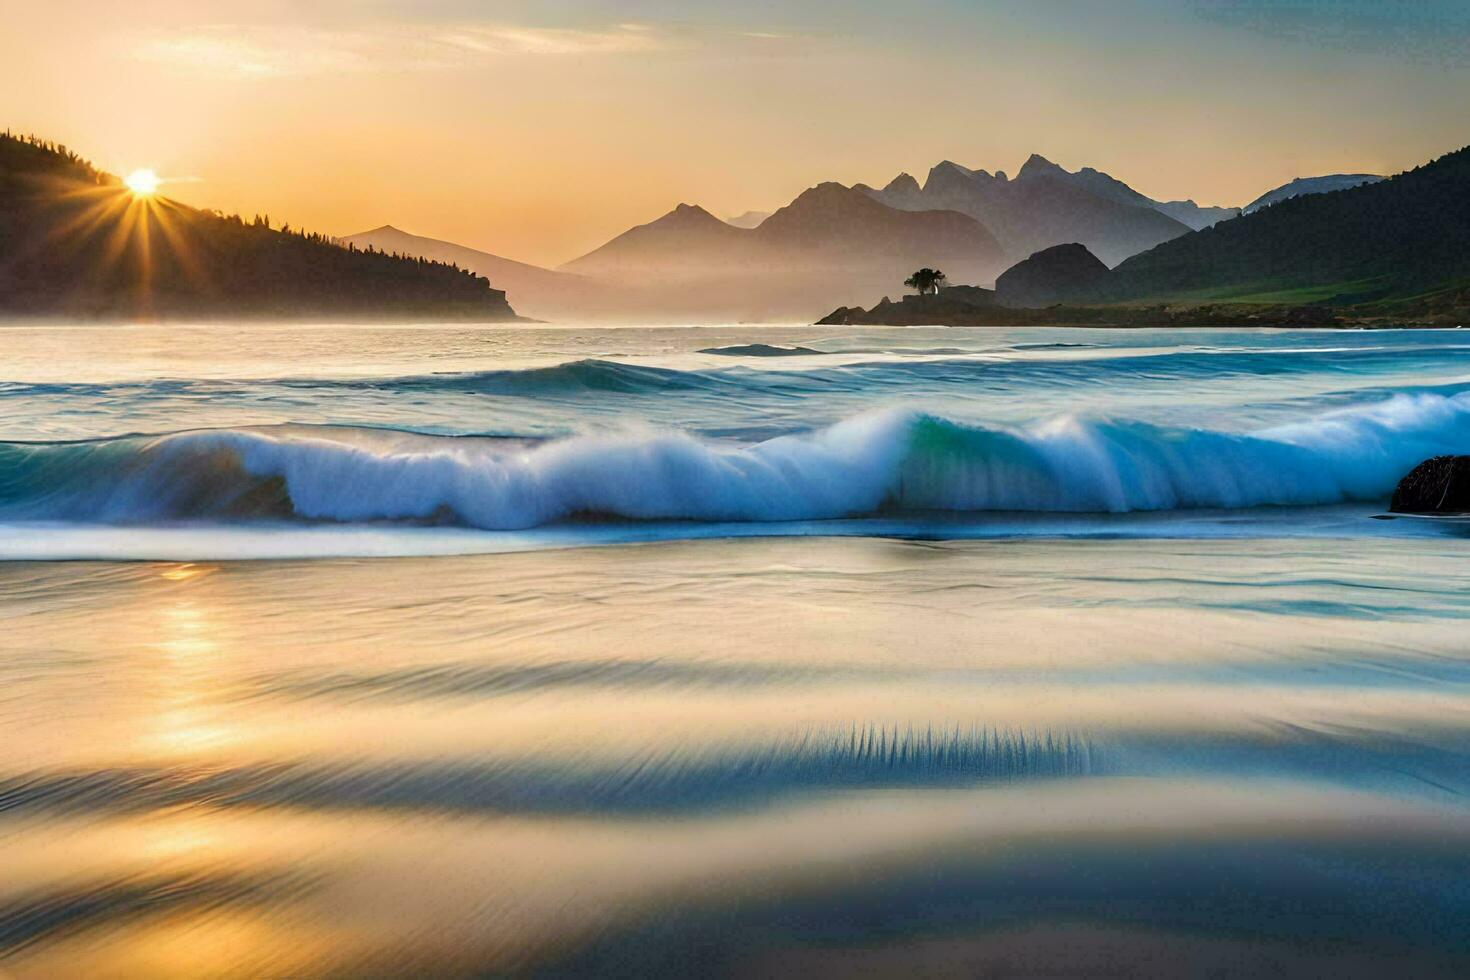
890	460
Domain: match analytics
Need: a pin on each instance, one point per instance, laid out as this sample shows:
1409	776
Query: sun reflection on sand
186	571
189	637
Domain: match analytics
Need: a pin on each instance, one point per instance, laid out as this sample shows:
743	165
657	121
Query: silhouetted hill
686	240
536	292
1043	206
1303	186
1396	238
841	226
1053	275
903	186
75	242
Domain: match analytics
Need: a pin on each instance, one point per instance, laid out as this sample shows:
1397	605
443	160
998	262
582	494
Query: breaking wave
761	350
884	461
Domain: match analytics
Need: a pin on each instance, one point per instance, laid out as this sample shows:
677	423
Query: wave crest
888	460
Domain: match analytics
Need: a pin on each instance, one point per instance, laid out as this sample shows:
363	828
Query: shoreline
1109	318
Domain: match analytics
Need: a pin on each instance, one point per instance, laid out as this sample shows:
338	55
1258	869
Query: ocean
737	650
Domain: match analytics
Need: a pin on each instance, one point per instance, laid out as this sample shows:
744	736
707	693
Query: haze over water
746	650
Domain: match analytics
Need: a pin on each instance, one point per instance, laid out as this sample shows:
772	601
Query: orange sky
539	130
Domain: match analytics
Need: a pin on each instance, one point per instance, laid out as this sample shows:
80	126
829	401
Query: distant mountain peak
827	193
688	214
1037	165
951	174
952	167
904	183
750	219
826	202
1028	213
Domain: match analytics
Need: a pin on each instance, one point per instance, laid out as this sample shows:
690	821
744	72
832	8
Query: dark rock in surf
1436	486
844	316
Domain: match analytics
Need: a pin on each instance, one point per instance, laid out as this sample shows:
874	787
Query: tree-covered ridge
75	242
1399	237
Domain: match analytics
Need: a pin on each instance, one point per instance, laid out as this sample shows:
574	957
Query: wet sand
755	757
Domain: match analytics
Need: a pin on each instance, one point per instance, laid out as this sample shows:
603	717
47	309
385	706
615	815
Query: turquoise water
737	651
272	436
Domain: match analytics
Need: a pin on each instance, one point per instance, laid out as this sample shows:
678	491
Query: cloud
559	41
267	52
252	54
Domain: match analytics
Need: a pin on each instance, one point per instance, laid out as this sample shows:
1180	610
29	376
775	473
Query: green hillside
1379	243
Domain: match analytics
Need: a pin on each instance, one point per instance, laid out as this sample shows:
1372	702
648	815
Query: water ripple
870	757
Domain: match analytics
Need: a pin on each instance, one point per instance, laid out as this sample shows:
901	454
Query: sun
143	183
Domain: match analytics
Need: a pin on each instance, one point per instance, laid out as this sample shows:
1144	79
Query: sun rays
132	227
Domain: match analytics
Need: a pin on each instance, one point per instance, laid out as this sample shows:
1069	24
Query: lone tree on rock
926	281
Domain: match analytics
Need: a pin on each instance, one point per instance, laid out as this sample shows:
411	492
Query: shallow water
997	675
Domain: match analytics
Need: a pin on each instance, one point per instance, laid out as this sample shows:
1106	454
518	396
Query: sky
539	130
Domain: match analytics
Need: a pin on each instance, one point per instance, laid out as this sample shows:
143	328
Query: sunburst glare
143	183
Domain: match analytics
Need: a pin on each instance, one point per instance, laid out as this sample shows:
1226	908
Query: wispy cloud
265	52
559	41
225	50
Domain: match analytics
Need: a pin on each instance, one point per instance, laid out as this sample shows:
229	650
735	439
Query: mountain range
829	228
79	243
1107	186
830	243
1379	252
1043	205
836	244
